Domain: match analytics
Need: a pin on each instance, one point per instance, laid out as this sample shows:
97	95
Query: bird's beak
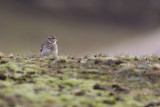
55	40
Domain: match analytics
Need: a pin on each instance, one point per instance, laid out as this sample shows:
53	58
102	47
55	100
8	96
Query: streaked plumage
49	47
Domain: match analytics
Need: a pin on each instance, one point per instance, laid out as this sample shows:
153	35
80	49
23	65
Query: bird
50	47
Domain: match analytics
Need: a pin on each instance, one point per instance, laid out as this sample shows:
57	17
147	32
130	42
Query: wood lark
50	47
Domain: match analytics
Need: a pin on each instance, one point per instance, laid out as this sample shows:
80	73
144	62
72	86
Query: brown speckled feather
49	47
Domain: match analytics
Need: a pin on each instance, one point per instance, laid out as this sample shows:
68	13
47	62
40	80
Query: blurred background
81	26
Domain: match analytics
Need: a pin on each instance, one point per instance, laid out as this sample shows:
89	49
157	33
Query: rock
156	66
11	56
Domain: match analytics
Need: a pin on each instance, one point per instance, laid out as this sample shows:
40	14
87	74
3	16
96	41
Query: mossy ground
98	81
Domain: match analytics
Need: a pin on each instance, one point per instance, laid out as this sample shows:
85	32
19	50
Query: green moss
111	100
17	76
44	70
92	71
155	58
4	61
71	81
61	76
50	100
30	70
31	66
10	67
106	77
5	84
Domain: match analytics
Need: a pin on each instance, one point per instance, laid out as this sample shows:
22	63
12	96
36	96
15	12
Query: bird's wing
42	47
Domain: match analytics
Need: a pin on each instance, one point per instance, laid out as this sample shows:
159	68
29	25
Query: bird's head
52	39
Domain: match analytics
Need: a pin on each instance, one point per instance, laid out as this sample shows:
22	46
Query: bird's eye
50	39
